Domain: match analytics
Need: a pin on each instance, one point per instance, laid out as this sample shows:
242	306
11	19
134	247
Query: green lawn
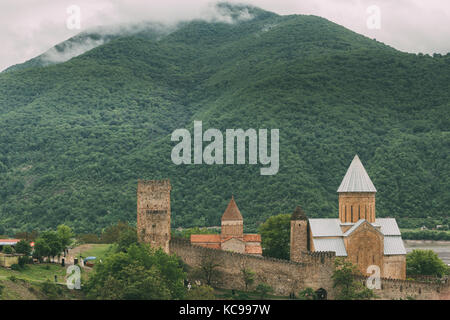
97	250
36	272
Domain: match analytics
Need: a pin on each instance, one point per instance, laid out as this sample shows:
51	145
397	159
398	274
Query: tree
208	267
346	282
139	273
89	238
112	233
41	249
263	290
126	238
65	235
23	247
425	263
186	233
28	236
248	276
48	245
275	236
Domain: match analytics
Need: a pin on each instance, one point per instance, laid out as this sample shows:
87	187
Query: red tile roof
252	237
232	212
205	238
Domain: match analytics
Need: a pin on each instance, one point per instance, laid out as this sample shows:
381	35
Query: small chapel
232	237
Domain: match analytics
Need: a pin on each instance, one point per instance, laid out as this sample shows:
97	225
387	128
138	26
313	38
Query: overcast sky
30	27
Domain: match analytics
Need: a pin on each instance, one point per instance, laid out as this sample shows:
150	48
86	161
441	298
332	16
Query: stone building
232	237
153	213
357	234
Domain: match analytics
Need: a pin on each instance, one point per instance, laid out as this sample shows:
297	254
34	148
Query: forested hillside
76	136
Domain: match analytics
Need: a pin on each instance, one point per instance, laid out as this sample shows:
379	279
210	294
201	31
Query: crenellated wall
395	289
313	270
284	276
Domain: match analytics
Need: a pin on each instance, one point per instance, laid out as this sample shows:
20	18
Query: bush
307	294
51	290
12	278
263	290
203	292
8	250
24	260
242	296
16	267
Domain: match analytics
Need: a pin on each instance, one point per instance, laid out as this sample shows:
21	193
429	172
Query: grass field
94	250
36	272
47	271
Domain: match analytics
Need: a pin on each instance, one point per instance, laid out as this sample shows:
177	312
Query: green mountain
76	136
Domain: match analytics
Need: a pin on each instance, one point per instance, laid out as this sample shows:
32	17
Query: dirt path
75	252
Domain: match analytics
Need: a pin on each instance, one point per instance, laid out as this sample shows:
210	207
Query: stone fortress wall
314	270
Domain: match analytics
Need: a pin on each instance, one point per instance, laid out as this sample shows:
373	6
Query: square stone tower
153	213
299	234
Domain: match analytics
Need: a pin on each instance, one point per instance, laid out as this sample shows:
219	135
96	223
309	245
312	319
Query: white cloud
30	27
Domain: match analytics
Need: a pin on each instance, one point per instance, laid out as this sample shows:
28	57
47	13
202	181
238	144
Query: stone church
357	234
232	237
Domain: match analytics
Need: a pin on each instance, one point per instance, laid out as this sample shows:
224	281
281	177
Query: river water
442	248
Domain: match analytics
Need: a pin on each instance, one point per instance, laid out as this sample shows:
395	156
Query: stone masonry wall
153	213
285	277
394	289
299	239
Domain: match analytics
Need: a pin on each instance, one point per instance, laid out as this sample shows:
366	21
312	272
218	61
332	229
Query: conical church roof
356	179
232	212
298	214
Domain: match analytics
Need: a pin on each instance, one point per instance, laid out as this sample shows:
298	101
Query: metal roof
325	228
330	244
388	226
356	179
394	245
354	227
331	228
